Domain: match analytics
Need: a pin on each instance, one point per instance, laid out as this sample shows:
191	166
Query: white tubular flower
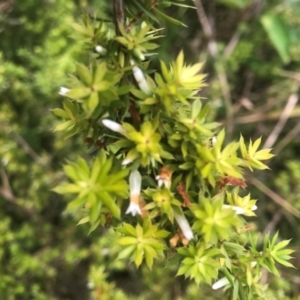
184	226
127	161
164	177
254	207
100	50
224	281
239	210
253	263
114	126
213	141
63	91
220	283
135	182
140	78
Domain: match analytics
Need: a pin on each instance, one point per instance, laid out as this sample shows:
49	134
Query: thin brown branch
232	43
213	51
289	107
287	139
275	197
265	116
119	16
5	189
21	141
272	224
139	15
7	194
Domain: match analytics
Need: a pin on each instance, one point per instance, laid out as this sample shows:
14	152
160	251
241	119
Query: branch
287	139
139	15
275	197
118	14
213	51
7	193
6	190
20	140
289	107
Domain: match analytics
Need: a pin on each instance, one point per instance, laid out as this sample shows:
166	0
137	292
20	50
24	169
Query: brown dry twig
286	113
139	15
213	51
182	192
275	197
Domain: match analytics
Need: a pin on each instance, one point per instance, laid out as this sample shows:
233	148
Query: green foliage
154	127
142	242
199	263
185	173
96	187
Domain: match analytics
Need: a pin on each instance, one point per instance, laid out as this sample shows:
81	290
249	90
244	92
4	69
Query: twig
7	194
119	17
21	141
291	103
287	139
275	197
6	190
213	51
139	15
265	116
99	19
232	43
272	224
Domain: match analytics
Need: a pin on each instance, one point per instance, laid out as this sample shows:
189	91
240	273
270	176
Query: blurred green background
251	50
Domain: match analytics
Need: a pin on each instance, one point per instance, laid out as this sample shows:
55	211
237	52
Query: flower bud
140	78
114	126
184	226
135	182
100	50
63	91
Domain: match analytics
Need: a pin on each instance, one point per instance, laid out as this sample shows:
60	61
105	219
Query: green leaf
169	19
84	74
278	34
124	241
235	293
196	108
79	93
139	255
95	207
84	220
77	203
64	125
111	204
99	72
146	11
60	113
126	252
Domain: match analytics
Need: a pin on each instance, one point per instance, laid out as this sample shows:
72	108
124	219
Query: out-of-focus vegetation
251	49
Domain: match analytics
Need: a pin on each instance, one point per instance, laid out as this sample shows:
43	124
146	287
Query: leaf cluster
153	127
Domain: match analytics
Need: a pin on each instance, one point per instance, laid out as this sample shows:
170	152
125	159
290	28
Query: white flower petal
220	283
213	141
126	161
114	126
184	226
253	264
63	91
140	78
100	49
238	210
254	207
160	182
135	182
133	209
